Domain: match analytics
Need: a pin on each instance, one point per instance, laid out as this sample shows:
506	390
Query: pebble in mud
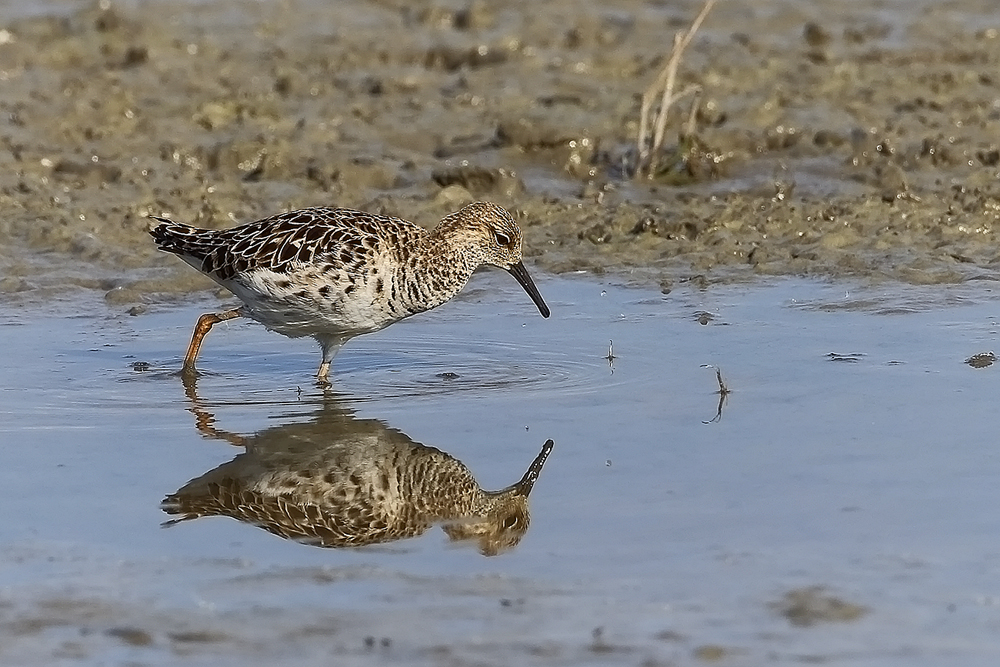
982	360
130	636
808	606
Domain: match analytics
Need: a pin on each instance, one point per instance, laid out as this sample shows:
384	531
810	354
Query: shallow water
855	452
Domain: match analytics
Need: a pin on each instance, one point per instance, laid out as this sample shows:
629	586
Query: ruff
336	273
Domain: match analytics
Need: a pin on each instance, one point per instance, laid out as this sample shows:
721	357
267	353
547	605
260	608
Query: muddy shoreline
837	140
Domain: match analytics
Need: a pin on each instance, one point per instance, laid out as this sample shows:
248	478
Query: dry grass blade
663	88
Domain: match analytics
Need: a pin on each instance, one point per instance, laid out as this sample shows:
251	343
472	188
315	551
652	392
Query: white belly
304	304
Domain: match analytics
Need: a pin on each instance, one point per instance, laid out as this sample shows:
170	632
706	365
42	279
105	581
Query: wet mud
838	139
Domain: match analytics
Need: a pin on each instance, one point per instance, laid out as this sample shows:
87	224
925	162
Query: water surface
841	508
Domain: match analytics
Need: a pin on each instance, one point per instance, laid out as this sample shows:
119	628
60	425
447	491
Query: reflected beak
528	481
521	274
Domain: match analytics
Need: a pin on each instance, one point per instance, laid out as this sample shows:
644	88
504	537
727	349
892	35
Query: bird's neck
438	269
438	485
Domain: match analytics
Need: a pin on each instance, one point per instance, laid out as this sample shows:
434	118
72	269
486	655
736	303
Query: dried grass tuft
663	88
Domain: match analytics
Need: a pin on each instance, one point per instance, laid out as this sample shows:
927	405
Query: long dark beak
521	274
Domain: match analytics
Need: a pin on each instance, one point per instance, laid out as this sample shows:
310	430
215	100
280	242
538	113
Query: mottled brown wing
287	517
335	237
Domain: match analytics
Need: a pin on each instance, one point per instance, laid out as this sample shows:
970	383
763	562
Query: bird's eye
510	522
502	238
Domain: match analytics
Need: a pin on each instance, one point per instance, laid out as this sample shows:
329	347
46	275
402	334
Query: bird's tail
181	239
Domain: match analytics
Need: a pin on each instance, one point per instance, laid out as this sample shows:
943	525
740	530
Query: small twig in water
723	396
723	389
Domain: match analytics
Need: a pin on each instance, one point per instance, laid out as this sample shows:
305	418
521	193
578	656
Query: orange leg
205	324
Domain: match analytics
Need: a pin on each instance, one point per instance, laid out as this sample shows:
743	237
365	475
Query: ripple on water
405	366
891	301
413	366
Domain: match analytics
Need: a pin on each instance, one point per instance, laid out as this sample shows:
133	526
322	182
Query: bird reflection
338	481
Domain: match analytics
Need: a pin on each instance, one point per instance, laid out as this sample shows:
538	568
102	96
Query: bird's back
336	238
